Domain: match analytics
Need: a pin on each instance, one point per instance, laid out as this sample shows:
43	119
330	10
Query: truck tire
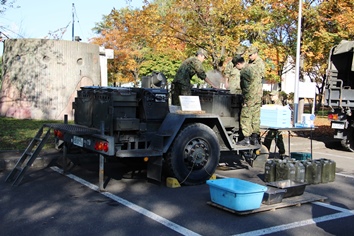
194	154
348	142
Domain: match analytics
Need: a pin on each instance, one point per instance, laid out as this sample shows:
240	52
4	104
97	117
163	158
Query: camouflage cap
240	50
201	51
252	50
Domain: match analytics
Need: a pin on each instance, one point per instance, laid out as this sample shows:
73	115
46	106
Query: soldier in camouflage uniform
181	84
273	134
234	81
251	84
230	69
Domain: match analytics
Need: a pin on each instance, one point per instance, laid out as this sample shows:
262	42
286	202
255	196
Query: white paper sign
190	103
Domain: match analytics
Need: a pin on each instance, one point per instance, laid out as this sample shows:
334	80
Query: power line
9	30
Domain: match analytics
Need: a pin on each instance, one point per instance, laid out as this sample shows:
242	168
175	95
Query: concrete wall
41	77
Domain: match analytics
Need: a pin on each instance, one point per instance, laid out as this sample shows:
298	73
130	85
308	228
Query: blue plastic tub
236	194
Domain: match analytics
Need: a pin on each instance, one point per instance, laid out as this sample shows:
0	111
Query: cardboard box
275	116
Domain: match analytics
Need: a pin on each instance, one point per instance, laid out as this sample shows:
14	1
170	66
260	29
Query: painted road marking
327	154
344	175
343	213
143	211
302	223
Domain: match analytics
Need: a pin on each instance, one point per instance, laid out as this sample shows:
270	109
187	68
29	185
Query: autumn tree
113	32
325	24
172	30
135	35
215	26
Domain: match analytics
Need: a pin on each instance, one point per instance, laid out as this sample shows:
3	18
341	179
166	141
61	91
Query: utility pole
297	65
72	30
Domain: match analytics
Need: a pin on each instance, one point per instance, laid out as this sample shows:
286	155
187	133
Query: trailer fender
173	122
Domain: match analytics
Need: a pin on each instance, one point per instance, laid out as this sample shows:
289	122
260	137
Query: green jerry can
328	170
269	171
317	165
332	172
309	171
284	170
292	170
299	171
325	170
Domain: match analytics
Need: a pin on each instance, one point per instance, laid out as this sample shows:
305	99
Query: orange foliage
219	26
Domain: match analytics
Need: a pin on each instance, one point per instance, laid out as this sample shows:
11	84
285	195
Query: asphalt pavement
50	202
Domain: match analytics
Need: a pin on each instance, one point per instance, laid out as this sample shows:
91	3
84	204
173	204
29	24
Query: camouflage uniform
240	50
235	81
277	135
251	84
182	81
228	68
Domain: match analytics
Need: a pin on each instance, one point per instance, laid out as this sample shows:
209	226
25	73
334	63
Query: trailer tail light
58	134
333	116
101	146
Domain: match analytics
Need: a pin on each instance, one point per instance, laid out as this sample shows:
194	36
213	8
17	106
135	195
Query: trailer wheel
194	154
348	143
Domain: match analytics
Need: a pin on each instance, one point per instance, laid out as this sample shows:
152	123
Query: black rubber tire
348	143
194	155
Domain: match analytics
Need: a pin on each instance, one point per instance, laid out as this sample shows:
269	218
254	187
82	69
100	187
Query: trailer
137	125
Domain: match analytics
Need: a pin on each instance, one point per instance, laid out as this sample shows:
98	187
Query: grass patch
17	134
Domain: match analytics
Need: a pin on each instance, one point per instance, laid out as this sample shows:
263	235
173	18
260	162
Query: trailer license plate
78	141
337	125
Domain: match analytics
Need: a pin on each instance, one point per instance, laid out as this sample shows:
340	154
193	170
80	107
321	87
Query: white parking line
302	223
331	155
343	213
143	211
345	175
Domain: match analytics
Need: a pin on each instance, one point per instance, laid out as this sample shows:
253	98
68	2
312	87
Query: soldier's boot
255	139
244	142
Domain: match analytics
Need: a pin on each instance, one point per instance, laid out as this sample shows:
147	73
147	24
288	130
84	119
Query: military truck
339	92
137	125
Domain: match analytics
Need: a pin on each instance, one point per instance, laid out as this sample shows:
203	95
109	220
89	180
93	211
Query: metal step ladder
28	157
